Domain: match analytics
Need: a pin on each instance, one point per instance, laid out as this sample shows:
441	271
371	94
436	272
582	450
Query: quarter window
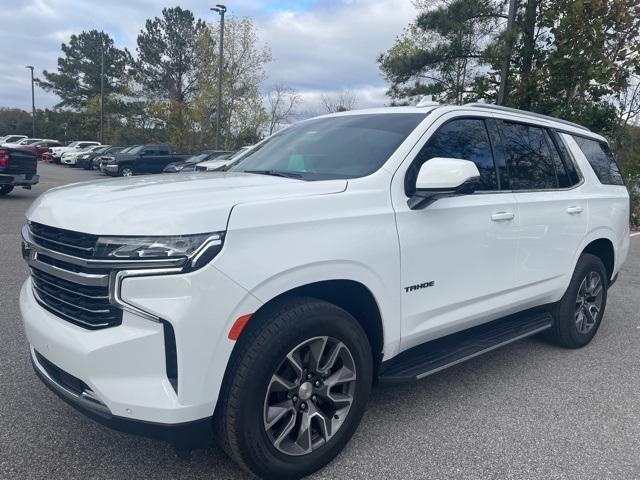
466	139
601	160
530	163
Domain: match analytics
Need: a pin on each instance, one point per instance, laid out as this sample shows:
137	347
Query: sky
318	46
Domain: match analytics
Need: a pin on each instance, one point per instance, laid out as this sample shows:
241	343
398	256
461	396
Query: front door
457	254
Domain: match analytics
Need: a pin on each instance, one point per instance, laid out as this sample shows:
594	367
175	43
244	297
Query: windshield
347	146
197	158
135	150
128	149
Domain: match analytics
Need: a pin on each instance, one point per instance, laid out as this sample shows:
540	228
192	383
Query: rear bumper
19	180
183	436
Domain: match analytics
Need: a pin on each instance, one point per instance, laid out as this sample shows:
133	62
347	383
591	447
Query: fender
606	233
299	276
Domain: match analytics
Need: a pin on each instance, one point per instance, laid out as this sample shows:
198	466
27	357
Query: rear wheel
579	313
125	172
5	189
299	383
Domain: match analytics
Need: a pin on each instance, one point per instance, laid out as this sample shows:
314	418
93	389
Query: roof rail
524	112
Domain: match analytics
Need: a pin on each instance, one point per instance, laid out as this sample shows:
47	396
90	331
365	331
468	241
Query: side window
601	160
569	162
529	159
564	181
465	138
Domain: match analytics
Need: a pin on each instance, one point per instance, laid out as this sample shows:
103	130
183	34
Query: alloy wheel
309	395
589	302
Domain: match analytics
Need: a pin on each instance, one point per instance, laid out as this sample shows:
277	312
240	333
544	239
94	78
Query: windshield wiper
275	173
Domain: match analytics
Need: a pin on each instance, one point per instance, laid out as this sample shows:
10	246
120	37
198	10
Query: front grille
64	241
83	305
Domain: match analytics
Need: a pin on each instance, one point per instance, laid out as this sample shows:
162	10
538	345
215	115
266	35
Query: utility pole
221	9
504	73
102	91
33	102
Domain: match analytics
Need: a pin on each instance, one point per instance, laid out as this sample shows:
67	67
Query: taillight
4	159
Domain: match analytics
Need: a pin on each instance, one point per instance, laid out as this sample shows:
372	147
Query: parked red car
41	148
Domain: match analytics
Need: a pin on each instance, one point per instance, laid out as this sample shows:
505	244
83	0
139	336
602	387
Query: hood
164	204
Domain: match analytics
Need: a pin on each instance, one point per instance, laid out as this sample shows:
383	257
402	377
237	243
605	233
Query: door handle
574	210
502	216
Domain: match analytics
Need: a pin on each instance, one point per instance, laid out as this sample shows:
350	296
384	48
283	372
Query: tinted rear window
601	160
530	162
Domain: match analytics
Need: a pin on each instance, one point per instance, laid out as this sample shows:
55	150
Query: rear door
457	254
163	157
552	208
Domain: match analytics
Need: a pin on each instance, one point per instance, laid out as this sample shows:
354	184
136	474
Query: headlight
196	250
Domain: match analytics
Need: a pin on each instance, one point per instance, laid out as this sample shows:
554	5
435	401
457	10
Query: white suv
262	303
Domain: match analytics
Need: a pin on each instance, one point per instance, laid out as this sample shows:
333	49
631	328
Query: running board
436	355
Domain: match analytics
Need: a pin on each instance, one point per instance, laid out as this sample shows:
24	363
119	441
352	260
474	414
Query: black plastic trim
183	436
170	354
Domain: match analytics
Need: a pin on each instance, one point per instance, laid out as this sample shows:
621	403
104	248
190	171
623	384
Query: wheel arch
350	295
603	249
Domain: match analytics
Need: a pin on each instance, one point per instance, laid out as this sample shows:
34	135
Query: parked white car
264	301
11	140
57	152
220	163
71	157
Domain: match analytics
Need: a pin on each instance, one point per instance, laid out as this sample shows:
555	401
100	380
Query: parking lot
527	411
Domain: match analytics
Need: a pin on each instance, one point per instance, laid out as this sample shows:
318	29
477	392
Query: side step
431	357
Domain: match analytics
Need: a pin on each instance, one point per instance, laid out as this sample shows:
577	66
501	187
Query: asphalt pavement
527	411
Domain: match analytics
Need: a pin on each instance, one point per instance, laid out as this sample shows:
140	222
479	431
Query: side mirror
443	177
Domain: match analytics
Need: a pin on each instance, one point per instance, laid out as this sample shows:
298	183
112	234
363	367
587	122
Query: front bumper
68	160
125	366
20	180
110	170
183	436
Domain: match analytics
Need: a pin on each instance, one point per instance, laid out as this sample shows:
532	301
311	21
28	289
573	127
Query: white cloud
318	46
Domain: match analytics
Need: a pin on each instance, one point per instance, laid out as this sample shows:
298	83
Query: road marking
634	234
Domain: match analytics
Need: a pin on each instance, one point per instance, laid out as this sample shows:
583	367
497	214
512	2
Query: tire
578	315
249	388
125	172
5	190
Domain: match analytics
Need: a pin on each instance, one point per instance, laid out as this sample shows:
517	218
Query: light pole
504	71
102	92
221	9
33	102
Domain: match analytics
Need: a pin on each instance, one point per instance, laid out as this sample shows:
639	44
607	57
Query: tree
167	67
443	52
342	101
15	121
281	103
243	116
585	54
77	80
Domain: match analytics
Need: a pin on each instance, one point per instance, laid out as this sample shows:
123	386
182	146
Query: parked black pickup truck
142	159
17	169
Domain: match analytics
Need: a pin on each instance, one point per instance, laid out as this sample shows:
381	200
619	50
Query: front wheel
579	313
297	388
5	190
125	172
